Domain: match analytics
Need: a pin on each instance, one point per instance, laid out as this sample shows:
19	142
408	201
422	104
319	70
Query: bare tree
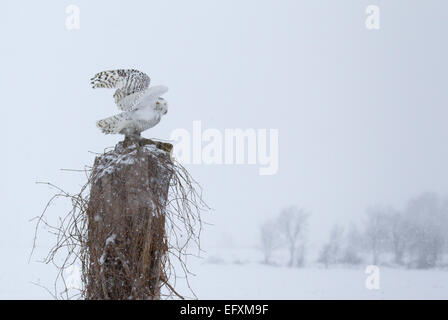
427	215
353	245
300	254
269	239
377	232
292	224
398	235
417	236
331	252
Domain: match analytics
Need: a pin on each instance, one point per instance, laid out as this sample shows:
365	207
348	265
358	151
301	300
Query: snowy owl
143	106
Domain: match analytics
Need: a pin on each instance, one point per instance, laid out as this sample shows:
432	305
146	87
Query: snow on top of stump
122	156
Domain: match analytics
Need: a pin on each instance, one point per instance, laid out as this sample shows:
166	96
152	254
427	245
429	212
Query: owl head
162	105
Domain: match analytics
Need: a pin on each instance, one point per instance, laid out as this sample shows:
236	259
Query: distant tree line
414	237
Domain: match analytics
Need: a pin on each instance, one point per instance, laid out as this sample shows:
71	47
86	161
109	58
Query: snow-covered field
238	274
224	274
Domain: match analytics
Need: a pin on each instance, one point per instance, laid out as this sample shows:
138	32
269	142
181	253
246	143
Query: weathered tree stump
126	221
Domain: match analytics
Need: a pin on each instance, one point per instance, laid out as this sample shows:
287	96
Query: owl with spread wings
142	105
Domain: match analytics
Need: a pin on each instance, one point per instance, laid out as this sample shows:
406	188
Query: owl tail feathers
111	125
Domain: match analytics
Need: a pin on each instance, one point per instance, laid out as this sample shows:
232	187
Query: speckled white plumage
143	106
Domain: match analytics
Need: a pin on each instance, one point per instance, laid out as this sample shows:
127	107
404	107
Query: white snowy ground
238	274
224	274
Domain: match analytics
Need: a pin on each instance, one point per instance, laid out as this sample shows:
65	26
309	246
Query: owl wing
131	86
153	93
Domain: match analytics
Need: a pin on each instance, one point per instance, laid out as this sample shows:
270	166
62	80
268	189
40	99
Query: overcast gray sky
361	113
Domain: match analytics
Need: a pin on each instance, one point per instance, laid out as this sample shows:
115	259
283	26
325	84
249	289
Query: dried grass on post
131	256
